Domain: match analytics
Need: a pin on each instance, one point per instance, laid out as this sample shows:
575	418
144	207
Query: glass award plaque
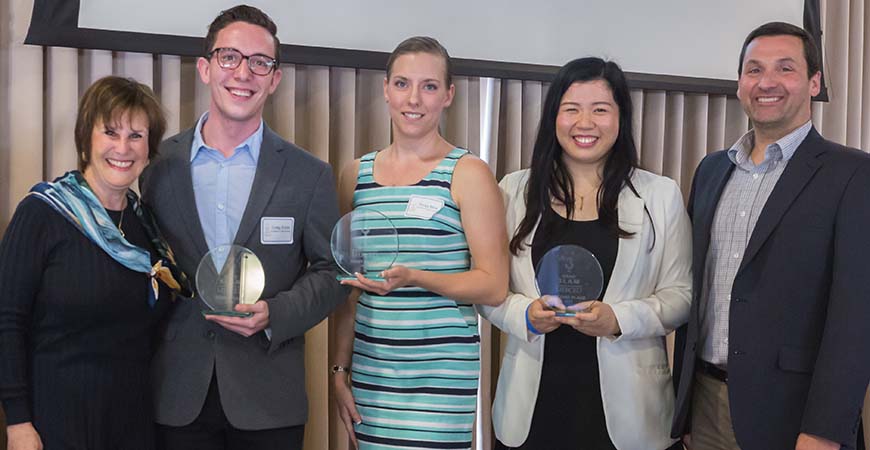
569	275
228	275
364	241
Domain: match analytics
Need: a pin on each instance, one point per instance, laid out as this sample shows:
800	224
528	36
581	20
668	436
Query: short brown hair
106	101
811	50
422	44
242	13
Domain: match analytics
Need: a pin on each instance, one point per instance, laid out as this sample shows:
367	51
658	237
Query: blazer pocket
793	359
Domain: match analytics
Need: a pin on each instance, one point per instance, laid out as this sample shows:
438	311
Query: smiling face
416	93
587	124
118	154
773	87
237	95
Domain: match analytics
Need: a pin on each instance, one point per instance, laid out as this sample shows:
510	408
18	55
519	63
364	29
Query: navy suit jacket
800	311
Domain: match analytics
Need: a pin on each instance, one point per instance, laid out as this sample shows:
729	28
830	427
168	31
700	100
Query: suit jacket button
210	334
738	353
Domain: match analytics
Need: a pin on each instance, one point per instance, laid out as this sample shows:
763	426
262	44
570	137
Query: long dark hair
549	178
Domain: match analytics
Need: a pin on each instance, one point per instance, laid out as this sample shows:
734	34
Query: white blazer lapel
523	271
630	211
526	272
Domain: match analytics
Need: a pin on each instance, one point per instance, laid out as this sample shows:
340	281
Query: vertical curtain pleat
139	66
187	79
864	119
167	84
8	200
489	113
717	118
96	64
373	118
675	124
475	124
837	63
736	121
697	133
201	94
855	73
312	97
637	119
652	140
818	113
455	121
62	94
510	127
343	112
23	151
284	115
532	104
338	114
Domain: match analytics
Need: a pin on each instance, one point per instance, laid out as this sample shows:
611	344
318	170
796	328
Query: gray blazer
261	381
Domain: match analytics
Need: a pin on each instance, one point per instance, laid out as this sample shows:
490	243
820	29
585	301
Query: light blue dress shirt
222	185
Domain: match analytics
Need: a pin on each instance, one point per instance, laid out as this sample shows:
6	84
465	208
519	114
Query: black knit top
76	333
569	413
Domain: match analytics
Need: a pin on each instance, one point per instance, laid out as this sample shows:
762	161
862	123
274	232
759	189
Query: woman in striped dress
412	339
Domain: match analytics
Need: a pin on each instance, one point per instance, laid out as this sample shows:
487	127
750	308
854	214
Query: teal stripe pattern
416	354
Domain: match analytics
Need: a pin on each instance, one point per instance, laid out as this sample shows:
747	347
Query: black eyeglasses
230	58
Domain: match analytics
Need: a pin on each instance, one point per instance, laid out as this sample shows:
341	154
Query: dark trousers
212	431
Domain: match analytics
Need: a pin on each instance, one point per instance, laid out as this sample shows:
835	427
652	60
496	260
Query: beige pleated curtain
339	113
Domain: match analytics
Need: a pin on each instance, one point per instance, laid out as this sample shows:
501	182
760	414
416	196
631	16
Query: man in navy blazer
775	352
238	383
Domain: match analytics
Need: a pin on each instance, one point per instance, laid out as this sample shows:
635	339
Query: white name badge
423	207
276	230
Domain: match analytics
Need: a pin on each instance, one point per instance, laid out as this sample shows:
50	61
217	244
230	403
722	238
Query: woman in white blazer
599	379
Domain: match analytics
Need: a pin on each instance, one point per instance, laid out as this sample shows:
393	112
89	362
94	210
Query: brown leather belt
712	370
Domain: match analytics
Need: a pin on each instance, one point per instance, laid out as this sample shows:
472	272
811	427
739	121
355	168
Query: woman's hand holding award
568	276
228	275
365	242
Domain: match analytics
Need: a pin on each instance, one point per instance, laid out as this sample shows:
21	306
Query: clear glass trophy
364	241
229	275
567	276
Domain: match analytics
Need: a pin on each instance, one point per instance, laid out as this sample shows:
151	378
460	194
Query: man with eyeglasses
238	383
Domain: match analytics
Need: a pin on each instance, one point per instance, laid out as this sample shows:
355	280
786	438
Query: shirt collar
783	149
252	144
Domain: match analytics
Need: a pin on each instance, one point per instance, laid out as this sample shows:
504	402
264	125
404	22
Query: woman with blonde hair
410	343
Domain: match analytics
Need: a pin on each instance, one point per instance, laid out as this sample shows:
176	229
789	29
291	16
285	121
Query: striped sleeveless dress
416	354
